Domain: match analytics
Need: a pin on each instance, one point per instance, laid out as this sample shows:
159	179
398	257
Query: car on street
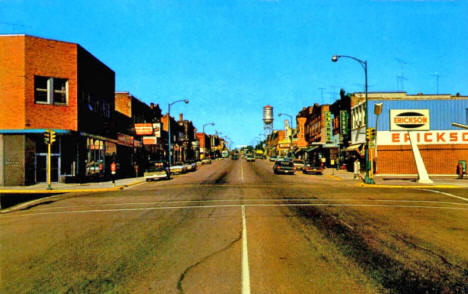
299	164
250	157
178	168
273	158
313	167
284	167
234	156
206	160
155	171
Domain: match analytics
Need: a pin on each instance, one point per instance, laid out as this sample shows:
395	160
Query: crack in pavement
186	271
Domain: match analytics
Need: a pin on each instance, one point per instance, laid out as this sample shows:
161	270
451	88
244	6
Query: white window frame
50	92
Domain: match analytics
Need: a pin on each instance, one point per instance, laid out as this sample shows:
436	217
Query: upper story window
48	90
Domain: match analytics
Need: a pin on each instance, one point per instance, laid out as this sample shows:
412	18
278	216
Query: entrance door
41	168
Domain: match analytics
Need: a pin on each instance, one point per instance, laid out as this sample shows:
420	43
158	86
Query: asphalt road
235	227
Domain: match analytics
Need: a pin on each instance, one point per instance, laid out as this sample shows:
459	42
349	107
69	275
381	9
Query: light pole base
368	180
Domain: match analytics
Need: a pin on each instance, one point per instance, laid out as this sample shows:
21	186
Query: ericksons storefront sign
409	119
423	137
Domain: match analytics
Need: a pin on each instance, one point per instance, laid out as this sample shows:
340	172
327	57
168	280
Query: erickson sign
409	120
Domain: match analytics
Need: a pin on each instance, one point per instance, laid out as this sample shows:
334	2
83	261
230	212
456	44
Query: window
41	87
467	116
49	90
60	91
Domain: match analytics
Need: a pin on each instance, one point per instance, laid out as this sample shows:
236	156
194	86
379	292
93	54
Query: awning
354	147
311	148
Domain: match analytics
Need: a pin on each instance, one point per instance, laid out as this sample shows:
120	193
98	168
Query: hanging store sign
344	122
423	138
157	130
144	129
327	115
150	140
409	119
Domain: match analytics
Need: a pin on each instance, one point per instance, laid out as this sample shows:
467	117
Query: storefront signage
327	115
157	130
111	148
125	139
144	129
344	122
137	143
409	119
424	138
150	140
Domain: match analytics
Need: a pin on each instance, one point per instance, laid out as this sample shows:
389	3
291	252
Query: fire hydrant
460	171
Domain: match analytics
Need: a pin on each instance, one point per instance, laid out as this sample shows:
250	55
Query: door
41	168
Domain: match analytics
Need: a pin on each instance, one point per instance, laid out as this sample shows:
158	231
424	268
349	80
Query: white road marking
235	205
444	193
242	172
252	200
245	257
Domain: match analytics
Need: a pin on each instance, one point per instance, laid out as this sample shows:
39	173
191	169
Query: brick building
204	145
48	84
316	122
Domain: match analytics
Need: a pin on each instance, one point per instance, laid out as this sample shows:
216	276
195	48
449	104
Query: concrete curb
409	187
62	194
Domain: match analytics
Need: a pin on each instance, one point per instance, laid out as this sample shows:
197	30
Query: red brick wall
12	82
439	159
52	59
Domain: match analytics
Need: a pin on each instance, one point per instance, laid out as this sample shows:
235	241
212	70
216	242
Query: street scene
262	146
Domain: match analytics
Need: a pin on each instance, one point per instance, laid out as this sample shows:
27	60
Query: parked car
284	167
313	167
299	164
178	168
206	160
250	157
155	171
273	158
193	166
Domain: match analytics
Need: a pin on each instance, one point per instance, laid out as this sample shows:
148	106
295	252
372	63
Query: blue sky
230	58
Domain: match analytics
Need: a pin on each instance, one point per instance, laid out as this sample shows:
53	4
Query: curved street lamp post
363	63
169	127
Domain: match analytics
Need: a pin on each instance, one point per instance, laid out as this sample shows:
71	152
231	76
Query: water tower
267	120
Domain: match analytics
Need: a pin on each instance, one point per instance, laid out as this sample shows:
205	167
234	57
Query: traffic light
52	136
371	133
47	137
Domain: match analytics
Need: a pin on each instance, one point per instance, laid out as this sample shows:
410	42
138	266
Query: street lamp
290	116
363	63
211	124
169	127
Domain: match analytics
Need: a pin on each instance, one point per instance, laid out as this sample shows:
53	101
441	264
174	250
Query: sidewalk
57	188
395	181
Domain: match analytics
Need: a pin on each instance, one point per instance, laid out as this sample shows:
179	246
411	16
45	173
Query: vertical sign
344	123
327	115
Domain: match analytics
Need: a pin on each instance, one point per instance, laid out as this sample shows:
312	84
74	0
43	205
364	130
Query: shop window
48	90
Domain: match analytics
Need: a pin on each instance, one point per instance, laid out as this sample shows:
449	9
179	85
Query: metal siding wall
442	112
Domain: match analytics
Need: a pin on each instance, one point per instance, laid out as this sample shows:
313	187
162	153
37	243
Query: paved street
235	227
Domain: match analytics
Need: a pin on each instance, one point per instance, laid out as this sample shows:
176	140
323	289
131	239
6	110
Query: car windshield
285	163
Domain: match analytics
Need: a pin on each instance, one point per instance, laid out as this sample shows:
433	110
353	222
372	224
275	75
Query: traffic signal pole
48	166
49	138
